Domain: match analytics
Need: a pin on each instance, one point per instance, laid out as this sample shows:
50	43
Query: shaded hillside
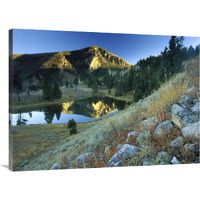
90	59
32	69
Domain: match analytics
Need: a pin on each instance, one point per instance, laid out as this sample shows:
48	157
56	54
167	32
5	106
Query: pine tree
118	91
47	91
66	84
56	91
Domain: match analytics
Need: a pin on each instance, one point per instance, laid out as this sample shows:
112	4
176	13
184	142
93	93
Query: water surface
82	110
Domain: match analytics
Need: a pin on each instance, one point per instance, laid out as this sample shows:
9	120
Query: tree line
149	73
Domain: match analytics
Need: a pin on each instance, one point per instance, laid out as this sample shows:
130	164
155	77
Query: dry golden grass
169	94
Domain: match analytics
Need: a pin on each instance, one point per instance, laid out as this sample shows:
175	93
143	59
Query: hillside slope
113	131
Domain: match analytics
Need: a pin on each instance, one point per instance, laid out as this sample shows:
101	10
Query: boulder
178	142
179	111
84	159
182	117
195	101
186	99
163	128
163	156
195	108
190	119
56	166
150	123
177	121
191	130
125	152
175	160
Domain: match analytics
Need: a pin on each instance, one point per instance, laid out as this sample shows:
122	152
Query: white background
142	17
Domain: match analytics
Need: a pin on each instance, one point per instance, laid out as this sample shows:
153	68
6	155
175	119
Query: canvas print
93	100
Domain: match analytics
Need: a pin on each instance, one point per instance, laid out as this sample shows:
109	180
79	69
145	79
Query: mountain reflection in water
82	110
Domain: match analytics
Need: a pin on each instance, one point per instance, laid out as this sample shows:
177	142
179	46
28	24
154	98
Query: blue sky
130	47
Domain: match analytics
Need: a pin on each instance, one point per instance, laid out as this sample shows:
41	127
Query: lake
82	110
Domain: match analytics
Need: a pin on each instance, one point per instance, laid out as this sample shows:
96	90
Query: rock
177	121
150	123
191	91
190	147
163	156
191	130
190	119
182	117
179	111
163	128
133	134
178	142
175	160
195	101
125	152
186	99
84	159
195	108
107	149
146	163
56	166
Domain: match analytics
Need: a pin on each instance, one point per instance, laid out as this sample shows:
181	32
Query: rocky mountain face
66	64
95	57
